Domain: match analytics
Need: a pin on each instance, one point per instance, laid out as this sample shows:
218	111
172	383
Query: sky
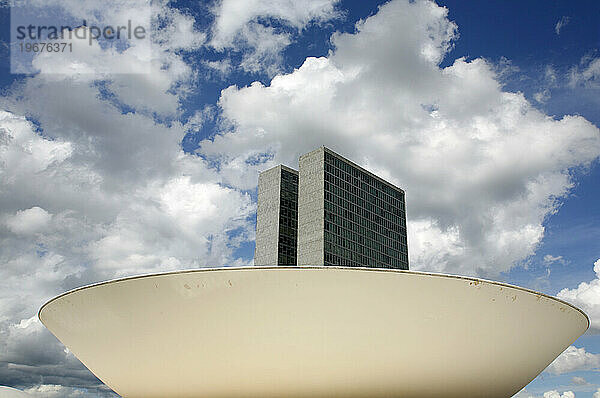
133	157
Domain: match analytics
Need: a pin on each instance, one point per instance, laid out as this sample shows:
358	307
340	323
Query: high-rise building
277	217
345	216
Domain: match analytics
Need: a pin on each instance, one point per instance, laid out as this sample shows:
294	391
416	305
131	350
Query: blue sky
487	113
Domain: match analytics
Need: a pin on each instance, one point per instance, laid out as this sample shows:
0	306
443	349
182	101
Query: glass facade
349	217
365	218
288	218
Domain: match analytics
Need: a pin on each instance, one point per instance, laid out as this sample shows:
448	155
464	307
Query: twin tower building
329	212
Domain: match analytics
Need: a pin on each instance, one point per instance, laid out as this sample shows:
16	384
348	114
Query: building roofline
280	166
325	149
362	169
286	168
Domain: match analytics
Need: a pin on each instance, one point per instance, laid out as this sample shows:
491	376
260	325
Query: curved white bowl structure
9	392
312	332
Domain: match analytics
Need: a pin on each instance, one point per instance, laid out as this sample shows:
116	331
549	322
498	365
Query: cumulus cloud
574	359
95	185
27	222
482	167
172	28
71	217
587	297
144	75
562	22
245	26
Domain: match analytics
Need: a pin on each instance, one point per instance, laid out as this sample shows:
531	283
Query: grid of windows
288	218
365	219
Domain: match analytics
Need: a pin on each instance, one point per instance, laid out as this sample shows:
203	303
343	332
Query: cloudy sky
118	160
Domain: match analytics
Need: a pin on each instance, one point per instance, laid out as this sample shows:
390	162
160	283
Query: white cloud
139	77
482	167
232	16
265	47
53	390
201	116
187	226
221	67
146	75
550	75
574	359
27	222
596	394
172	29
556	394
240	25
92	190
178	31
542	96
548	394
580	381
549	82
587	297
24	153
550	259
562	22
587	74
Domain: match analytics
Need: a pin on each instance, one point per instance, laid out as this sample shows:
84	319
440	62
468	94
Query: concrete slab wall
267	217
311	208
